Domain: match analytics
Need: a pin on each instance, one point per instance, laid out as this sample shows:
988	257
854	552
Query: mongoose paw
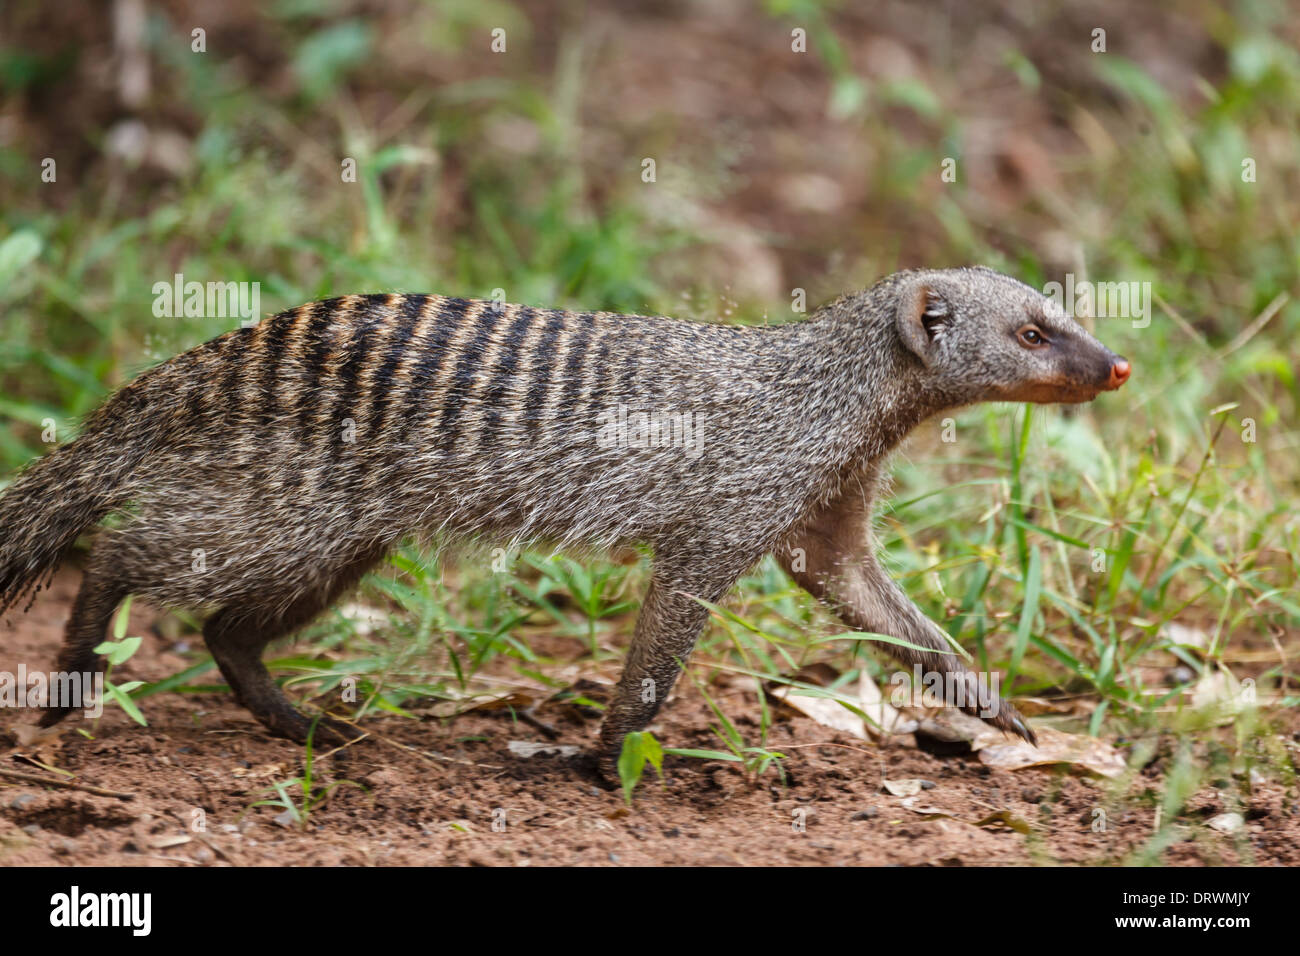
605	766
1009	721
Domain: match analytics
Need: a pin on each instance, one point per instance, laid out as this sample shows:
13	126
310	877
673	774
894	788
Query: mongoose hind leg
237	636
833	558
667	628
101	590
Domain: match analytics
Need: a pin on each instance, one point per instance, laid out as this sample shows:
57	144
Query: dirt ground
432	789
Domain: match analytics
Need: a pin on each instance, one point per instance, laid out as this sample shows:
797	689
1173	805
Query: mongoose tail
52	501
56	498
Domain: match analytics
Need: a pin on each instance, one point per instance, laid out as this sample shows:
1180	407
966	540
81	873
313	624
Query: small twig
66	784
325	754
538	724
1261	320
1183	324
431	756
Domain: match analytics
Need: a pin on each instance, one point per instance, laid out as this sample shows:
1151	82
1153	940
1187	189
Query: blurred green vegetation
993	535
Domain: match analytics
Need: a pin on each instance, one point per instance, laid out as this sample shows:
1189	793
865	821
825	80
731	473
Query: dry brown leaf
831	713
1000	818
29	735
909	803
1006	818
953	726
163	842
43	743
824	710
515	701
1072	707
887	718
1055	747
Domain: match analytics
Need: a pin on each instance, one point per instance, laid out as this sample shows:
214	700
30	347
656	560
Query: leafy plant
311	797
589	588
118	651
639	748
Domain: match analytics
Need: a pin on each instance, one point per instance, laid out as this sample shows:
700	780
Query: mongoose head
986	337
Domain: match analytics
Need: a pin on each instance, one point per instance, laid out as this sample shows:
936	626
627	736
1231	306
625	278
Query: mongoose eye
1031	337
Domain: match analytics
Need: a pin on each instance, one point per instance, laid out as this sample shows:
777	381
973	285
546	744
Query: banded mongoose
296	453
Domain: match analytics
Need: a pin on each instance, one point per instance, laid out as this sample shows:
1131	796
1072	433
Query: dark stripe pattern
409	315
272	348
507	367
316	342
425	372
373	313
462	380
567	405
541	374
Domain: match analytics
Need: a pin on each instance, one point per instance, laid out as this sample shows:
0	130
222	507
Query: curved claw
1009	721
1019	726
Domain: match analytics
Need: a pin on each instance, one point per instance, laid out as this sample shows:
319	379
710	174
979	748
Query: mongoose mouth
1066	392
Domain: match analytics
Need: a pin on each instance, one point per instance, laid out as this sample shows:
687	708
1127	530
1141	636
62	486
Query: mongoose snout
1119	372
292	456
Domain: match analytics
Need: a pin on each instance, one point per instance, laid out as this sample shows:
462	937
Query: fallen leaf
824	710
1072	707
831	713
903	788
909	803
176	839
44	743
951	726
1005	818
515	701
1001	818
527	748
31	735
886	717
1055	747
1226	822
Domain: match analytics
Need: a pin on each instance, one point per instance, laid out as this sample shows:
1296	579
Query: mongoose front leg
833	558
669	624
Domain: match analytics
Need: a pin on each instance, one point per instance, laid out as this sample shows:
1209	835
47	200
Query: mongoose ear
922	316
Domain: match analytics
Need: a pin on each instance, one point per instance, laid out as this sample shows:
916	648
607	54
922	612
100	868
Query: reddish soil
431	789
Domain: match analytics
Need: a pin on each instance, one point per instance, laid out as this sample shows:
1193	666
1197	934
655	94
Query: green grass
1056	545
